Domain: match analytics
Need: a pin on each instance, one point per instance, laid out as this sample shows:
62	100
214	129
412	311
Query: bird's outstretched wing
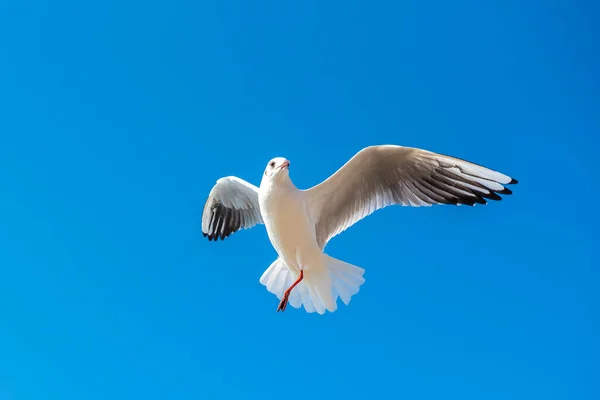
380	176
232	205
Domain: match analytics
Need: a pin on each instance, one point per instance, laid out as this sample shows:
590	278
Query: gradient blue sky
116	118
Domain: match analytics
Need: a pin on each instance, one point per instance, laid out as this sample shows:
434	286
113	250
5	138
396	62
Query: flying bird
300	223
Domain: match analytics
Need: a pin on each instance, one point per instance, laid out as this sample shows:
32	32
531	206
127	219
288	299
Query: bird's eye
272	164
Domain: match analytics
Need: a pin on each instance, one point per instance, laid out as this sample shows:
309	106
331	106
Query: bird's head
277	169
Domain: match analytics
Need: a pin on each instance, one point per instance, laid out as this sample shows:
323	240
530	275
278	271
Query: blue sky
116	118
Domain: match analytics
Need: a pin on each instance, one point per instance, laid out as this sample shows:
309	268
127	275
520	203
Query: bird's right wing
232	205
381	176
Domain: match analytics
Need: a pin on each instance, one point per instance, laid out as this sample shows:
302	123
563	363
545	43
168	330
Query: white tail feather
346	278
319	289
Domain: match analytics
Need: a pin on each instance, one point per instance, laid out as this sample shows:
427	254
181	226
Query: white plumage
299	223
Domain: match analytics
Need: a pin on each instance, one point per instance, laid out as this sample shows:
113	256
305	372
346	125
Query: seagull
300	223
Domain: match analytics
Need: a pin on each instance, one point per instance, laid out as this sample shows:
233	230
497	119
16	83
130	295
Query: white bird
299	223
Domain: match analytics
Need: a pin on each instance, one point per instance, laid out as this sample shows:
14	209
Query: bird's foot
286	295
284	301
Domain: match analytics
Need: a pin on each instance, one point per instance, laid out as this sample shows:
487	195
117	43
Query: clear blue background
116	118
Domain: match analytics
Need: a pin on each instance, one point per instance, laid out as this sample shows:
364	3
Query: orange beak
286	164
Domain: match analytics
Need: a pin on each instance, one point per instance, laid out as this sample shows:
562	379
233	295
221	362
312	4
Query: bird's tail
320	287
346	278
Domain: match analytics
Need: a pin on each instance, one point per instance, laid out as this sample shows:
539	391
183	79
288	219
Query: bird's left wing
232	205
380	176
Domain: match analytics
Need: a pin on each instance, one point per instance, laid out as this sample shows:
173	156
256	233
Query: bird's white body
288	225
290	229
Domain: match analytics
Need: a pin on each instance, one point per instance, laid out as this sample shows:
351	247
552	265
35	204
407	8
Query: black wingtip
216	237
210	237
513	182
480	200
492	195
505	191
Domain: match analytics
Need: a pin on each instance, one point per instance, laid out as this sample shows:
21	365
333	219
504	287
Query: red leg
286	294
